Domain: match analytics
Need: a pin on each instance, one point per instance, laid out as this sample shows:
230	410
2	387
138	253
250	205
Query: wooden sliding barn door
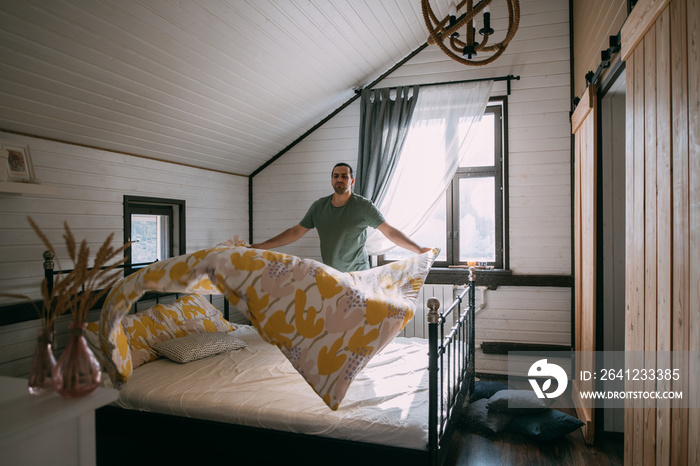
584	128
661	48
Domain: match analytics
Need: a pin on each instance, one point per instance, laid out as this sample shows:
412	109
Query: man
341	220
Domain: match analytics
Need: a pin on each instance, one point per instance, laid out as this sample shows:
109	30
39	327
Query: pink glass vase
77	372
43	363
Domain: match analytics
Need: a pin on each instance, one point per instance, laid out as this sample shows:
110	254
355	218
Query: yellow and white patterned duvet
327	323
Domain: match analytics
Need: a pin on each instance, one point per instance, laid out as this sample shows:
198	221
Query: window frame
173	208
495	171
499	107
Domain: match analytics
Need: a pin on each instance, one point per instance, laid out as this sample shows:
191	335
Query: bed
251	406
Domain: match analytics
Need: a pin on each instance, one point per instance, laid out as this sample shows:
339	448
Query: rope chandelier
464	48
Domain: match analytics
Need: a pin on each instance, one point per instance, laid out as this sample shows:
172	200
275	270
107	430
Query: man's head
342	178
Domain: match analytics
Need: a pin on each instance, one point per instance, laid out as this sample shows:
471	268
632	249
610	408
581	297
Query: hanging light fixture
463	46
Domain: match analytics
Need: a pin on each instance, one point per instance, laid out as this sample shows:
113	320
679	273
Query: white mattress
256	386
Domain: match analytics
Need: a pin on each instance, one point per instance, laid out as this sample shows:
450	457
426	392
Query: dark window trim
495	278
496	171
154	205
504	172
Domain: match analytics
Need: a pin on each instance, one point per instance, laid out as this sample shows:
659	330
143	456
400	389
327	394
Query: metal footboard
451	364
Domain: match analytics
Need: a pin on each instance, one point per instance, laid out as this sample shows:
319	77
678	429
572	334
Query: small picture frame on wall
17	162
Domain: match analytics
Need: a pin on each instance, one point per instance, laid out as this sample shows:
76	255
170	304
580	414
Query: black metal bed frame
451	372
451	365
50	272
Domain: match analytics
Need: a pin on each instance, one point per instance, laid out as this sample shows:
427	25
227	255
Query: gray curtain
384	124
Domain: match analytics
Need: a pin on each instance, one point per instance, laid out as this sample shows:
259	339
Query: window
156	228
469	223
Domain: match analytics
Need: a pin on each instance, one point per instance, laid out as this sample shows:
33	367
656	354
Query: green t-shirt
343	231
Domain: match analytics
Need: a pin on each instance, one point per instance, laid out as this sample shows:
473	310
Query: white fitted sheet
387	403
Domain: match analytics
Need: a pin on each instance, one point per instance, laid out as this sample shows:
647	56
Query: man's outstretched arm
288	236
400	239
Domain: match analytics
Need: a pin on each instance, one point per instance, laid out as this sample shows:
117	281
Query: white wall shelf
27	188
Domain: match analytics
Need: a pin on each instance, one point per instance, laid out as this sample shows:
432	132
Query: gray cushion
486	389
516	402
477	418
197	346
546	425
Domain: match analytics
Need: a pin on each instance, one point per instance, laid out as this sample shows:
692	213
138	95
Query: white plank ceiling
217	84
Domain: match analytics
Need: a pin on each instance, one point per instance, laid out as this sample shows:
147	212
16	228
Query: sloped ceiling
217	84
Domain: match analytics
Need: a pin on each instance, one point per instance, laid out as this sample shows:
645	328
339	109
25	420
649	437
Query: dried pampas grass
77	290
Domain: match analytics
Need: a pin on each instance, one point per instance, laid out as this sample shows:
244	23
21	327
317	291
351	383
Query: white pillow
197	346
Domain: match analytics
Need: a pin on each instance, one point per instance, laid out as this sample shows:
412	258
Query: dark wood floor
508	448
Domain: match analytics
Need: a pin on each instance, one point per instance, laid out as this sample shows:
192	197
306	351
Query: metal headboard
50	272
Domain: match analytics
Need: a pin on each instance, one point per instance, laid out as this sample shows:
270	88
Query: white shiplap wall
91	185
539	171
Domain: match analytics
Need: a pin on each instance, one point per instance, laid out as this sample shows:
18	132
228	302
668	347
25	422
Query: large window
469	223
156	229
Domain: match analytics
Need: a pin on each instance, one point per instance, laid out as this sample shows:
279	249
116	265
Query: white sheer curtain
430	156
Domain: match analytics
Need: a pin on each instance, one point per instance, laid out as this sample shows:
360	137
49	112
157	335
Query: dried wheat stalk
77	291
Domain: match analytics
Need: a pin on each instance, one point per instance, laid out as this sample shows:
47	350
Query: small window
150	235
156	229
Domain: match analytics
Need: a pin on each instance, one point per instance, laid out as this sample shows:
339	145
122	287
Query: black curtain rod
508	78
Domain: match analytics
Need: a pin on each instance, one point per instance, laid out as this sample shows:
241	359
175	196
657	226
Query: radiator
418	326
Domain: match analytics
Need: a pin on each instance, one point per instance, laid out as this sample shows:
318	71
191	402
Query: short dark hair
343	164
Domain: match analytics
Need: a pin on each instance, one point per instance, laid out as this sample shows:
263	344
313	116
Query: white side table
48	429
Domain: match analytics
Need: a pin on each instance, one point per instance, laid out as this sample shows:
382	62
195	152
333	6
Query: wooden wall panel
638	24
629	235
693	34
577	234
637	220
663	304
681	259
650	193
584	127
663	221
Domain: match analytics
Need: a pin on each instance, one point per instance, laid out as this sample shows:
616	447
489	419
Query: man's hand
398	238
